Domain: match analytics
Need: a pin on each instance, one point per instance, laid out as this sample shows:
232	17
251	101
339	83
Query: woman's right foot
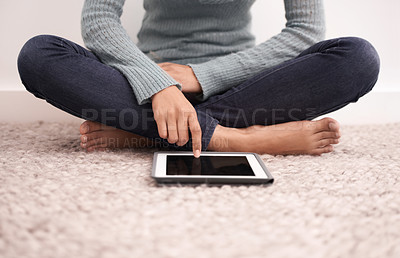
301	137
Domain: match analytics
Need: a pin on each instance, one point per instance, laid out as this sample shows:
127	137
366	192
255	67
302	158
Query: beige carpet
58	201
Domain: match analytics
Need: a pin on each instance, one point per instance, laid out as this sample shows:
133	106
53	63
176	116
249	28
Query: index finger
195	130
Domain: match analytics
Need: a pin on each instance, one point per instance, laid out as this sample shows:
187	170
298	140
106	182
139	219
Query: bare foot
302	137
96	136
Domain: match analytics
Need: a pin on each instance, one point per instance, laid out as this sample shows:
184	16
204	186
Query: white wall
377	21
374	20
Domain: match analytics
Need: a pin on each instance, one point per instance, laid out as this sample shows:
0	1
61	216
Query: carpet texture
58	201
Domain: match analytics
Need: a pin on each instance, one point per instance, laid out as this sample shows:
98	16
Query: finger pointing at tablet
174	115
195	130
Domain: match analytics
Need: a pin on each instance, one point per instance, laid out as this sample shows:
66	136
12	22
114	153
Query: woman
196	80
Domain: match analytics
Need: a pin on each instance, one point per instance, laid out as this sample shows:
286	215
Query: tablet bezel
261	173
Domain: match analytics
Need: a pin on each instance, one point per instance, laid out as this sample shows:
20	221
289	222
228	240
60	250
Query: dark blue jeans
324	78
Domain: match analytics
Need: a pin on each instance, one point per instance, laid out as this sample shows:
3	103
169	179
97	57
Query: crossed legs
268	113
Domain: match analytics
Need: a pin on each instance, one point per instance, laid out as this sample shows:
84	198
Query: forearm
103	33
305	26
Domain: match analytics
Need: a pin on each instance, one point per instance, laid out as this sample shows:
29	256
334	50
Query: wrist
169	87
192	85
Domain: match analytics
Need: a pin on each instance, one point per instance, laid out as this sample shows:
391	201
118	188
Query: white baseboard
374	108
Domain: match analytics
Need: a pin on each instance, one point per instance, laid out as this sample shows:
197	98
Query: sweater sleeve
103	34
305	27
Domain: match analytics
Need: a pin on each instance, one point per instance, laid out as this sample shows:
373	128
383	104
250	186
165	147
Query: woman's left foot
96	136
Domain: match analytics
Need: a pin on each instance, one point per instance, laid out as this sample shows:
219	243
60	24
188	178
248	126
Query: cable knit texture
211	36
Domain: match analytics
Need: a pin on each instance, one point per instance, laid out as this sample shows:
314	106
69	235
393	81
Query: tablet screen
208	166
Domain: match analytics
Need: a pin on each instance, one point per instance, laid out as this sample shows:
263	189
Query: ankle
226	139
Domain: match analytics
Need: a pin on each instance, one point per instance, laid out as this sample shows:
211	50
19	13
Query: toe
109	142
328	124
94	135
101	146
90	126
84	128
84	138
90	139
83	145
96	141
326	135
334	126
327	142
322	150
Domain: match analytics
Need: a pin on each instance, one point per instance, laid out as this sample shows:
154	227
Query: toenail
84	145
84	138
86	128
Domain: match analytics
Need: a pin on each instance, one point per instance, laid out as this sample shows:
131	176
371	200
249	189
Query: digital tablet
210	167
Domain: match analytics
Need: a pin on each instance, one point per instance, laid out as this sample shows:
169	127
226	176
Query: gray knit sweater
211	36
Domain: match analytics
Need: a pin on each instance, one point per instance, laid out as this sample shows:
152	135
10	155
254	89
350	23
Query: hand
184	75
174	114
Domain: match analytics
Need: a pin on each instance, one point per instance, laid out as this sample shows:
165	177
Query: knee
363	55
32	53
363	64
32	60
